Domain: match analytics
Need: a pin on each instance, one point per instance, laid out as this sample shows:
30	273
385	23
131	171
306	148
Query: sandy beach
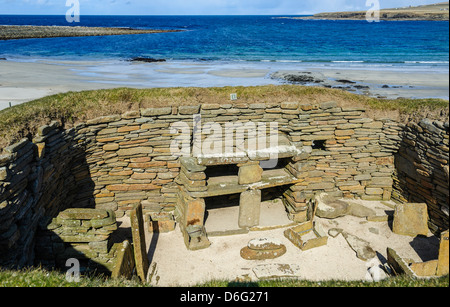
22	81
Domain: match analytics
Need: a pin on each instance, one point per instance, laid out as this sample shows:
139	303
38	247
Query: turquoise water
243	38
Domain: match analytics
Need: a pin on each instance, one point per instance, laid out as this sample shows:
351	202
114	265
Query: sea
245	41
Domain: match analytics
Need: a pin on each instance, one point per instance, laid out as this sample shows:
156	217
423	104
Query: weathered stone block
346	132
140	249
161	222
156	111
250	173
5	159
111	147
362	248
83	214
124	264
257	106
195	212
362	177
107	131
330	207
322	186
128	129
411	220
190	164
210	106
425	269
188	110
443	260
381	182
131	114
289	105
98	223
135	151
373	125
3	173
83	238
17	147
249	208
374	191
398	265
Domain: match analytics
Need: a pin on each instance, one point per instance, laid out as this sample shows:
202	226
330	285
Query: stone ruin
63	193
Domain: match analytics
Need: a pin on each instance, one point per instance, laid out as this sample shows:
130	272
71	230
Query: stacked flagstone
36	181
82	234
422	170
356	156
115	162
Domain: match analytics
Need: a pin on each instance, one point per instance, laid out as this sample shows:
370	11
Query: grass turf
38	277
75	107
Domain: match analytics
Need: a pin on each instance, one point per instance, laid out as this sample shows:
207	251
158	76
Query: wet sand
25	81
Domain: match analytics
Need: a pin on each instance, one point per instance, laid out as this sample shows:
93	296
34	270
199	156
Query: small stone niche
160	222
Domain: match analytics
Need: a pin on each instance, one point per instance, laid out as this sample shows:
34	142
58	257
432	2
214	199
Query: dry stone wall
422	170
37	180
82	234
115	162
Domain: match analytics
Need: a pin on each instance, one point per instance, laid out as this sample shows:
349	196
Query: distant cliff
438	11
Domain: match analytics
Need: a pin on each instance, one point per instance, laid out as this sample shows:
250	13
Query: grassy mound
75	107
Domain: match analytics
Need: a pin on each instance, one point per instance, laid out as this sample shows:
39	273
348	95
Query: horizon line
161	15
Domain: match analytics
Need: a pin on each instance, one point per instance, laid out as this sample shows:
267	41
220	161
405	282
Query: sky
196	7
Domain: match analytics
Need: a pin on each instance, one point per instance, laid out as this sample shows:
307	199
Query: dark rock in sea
298	77
385	86
345	81
2	59
342	87
360	87
146	60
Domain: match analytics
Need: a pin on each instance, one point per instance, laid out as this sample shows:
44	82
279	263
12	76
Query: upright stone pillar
140	249
249	208
442	267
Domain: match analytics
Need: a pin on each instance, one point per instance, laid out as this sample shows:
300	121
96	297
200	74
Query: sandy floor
24	81
177	266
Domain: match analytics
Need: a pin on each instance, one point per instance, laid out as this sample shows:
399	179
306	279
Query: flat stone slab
274	271
83	214
362	248
330	208
226	186
250	174
140	249
411	220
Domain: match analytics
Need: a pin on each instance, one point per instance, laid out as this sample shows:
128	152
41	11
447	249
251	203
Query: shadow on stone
427	248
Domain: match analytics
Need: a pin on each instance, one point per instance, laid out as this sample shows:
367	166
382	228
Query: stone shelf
284	149
225	185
